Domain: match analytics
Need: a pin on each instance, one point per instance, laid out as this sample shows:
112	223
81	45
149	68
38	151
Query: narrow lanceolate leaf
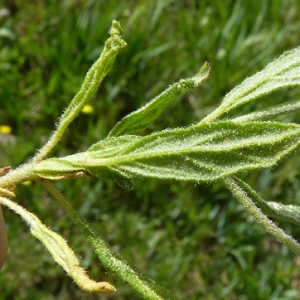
205	152
281	73
285	212
288	213
146	115
246	200
59	250
271	112
111	260
113	46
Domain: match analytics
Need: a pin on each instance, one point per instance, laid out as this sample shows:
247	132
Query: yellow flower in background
28	182
88	109
5	129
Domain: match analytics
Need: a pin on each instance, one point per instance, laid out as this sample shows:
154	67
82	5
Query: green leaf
288	213
204	152
281	73
56	169
118	176
113	46
111	260
246	200
110	147
59	250
146	115
266	114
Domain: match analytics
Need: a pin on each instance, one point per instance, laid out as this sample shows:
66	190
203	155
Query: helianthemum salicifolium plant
214	149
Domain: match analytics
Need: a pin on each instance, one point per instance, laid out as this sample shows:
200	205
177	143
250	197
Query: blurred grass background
195	239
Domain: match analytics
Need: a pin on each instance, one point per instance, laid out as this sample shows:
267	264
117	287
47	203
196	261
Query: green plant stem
17	176
111	260
249	205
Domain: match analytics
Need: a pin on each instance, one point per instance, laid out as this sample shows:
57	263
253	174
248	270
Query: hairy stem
247	202
111	260
17	176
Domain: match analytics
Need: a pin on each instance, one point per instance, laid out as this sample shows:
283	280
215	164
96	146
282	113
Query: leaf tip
203	74
115	29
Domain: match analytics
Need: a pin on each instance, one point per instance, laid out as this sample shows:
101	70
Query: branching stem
17	176
111	260
261	218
